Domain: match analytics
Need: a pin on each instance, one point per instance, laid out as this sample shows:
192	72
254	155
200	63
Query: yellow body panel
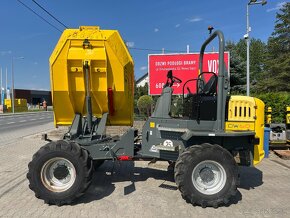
247	114
259	130
111	67
241	108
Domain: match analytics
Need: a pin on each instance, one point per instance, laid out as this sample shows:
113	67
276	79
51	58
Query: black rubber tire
190	158
98	163
76	155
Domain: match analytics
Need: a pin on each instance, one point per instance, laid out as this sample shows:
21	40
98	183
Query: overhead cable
65	26
42	18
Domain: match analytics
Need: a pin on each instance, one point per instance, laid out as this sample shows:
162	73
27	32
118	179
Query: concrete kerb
23	113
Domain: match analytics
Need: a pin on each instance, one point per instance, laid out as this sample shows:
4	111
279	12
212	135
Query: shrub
144	104
278	102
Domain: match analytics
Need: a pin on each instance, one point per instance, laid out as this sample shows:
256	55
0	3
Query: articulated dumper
92	83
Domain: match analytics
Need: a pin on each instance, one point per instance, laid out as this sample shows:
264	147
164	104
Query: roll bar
221	51
222	77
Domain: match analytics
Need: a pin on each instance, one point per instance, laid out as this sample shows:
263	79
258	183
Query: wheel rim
58	174
209	177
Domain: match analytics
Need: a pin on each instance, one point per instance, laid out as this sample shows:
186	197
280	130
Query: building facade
34	97
142	80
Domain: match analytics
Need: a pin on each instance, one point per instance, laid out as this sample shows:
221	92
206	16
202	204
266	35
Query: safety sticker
153	149
168	143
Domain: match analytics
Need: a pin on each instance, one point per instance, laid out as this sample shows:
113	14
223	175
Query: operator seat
202	105
207	102
210	87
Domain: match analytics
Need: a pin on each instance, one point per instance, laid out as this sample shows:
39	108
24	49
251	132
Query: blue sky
152	24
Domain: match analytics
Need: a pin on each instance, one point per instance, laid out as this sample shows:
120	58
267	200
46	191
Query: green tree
141	90
238	65
138	92
258	51
278	101
278	56
237	69
144	104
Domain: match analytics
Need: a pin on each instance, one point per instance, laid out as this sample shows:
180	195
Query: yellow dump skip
111	76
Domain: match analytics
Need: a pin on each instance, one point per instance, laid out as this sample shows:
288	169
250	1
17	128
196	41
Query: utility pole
1	81
247	37
6	79
248	51
12	78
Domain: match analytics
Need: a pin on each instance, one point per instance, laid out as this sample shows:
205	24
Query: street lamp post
1	86
247	37
12	80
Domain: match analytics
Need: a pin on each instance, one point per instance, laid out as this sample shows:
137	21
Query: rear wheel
60	172
206	175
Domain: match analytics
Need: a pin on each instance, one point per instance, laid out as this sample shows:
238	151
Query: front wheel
60	172
206	175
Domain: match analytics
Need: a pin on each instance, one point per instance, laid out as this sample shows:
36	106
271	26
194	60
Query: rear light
124	158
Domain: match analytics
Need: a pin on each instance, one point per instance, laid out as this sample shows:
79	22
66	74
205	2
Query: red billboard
183	66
